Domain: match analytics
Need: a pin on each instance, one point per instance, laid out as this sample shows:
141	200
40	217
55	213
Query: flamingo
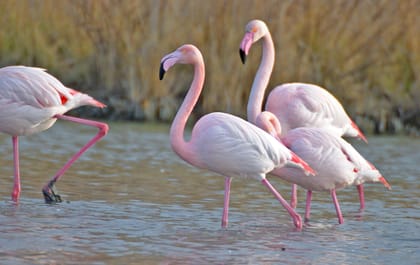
336	162
294	104
223	143
31	101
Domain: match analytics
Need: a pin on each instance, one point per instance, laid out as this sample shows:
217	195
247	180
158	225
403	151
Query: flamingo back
306	105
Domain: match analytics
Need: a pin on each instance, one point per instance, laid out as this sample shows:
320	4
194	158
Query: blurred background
367	53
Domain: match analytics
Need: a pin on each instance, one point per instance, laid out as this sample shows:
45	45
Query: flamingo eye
183	50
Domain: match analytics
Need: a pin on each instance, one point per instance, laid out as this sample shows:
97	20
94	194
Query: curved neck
269	123
179	145
261	79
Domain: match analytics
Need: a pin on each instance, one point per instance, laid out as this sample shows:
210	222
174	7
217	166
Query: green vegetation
367	53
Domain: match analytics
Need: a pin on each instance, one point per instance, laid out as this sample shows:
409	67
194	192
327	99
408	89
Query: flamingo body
294	104
230	146
30	98
336	162
307	105
31	101
224	143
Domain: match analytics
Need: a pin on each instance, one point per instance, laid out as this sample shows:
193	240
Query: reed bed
367	53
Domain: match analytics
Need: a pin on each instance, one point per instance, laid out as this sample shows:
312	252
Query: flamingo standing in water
295	104
224	143
31	101
336	162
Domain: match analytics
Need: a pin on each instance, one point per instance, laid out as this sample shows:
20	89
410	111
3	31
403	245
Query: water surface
131	200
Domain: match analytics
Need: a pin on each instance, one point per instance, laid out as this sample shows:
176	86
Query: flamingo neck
179	145
269	123
261	79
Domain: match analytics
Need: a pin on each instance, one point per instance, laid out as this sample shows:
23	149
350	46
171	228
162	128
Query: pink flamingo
294	104
336	162
224	143
31	101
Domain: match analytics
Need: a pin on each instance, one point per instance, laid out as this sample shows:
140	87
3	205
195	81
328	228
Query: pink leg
308	205
337	207
16	184
297	220
225	214
361	196
48	191
293	200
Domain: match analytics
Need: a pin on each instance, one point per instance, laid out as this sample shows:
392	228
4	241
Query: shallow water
131	200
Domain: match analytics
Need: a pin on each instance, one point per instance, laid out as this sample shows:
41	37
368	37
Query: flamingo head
186	54
254	30
269	123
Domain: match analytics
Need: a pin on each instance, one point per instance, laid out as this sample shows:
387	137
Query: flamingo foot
50	195
297	220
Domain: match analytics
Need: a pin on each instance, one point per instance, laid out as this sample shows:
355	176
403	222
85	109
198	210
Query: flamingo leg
293	199
16	184
308	205
225	214
360	189
297	220
337	207
48	189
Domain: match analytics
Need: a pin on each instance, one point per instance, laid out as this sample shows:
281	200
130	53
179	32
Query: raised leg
337	207
225	214
48	189
297	220
308	205
16	183
293	199
361	196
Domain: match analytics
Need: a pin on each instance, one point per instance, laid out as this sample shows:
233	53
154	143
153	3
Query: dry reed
367	53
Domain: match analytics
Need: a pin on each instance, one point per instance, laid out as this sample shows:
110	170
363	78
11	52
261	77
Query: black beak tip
243	56
161	72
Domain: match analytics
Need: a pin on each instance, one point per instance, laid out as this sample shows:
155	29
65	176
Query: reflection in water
130	200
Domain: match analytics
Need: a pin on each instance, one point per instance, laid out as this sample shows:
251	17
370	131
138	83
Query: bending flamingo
31	101
224	143
336	162
294	104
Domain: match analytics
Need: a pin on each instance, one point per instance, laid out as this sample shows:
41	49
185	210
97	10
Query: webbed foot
50	195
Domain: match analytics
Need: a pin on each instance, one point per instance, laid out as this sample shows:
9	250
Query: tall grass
367	53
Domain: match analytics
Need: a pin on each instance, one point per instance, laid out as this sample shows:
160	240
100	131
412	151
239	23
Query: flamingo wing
323	152
31	86
306	105
233	147
29	98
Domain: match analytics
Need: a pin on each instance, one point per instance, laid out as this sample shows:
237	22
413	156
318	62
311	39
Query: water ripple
131	200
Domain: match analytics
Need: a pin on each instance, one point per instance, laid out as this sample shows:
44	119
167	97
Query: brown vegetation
367	53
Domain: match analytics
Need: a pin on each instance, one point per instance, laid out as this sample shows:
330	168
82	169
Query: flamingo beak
161	71
243	55
246	44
